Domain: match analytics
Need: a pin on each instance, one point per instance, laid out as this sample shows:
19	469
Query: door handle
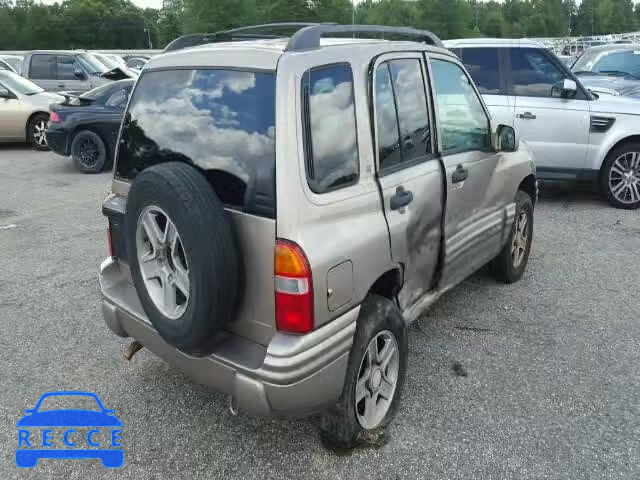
460	175
401	199
61	85
526	116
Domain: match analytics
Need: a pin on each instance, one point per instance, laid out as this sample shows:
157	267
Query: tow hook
131	350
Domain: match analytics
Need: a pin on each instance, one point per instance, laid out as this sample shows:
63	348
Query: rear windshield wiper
586	72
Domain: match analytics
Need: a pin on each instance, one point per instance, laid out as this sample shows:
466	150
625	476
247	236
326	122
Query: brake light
109	244
54	117
293	289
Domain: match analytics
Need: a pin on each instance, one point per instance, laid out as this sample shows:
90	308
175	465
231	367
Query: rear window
483	66
222	121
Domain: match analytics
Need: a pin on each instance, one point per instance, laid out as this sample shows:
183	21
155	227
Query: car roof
265	53
493	42
54	52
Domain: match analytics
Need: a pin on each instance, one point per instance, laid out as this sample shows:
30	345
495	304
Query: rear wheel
88	152
511	262
620	178
374	379
36	131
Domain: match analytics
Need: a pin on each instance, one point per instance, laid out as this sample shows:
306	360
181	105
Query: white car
574	134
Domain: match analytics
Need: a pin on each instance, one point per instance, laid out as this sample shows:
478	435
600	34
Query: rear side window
66	66
402	118
118	99
483	66
222	121
41	67
331	148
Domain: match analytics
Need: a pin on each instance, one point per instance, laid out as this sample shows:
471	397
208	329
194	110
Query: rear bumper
57	141
295	375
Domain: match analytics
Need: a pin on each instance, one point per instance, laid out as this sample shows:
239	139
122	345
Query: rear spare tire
182	255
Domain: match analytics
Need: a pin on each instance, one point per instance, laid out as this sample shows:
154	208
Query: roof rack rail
253	32
309	37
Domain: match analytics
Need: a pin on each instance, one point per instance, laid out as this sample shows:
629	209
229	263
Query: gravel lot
553	362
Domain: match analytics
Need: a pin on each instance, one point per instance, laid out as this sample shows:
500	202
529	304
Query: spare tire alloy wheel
377	380
183	257
163	263
624	178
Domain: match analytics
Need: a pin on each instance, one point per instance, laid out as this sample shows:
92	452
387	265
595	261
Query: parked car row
68	101
581	126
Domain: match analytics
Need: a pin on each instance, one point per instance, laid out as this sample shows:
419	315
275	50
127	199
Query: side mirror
565	89
4	93
505	139
79	74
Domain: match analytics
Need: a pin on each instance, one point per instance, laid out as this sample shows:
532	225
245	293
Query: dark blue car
86	127
36	430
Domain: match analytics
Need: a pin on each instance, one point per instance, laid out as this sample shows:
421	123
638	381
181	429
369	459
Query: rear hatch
222	121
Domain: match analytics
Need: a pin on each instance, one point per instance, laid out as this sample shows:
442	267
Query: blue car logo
69	433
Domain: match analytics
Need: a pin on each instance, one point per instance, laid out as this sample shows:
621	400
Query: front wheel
511	262
36	131
374	379
620	178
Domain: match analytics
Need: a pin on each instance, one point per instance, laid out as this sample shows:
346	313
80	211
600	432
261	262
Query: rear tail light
54	117
109	244
293	288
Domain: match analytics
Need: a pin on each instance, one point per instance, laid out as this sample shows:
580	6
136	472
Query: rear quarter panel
343	225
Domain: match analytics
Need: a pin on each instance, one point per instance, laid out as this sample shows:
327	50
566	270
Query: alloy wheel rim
520	239
88	152
377	380
38	132
624	178
163	263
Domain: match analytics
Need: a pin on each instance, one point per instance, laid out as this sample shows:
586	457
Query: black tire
605	184
88	152
35	128
339	425
208	246
503	267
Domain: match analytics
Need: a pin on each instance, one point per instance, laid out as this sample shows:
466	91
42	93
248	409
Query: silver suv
282	208
575	134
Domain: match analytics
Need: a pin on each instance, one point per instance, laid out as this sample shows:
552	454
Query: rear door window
66	67
41	67
331	148
222	121
483	65
404	134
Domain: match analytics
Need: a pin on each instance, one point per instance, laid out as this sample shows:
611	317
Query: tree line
119	24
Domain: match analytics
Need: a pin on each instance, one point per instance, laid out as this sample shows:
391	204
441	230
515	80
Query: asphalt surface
552	364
